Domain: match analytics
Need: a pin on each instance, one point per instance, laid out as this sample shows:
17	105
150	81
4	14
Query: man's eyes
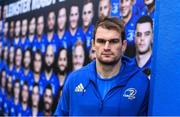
112	41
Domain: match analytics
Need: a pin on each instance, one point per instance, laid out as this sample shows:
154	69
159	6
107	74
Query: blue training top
128	96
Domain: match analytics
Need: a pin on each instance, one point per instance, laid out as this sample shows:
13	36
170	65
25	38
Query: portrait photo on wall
42	42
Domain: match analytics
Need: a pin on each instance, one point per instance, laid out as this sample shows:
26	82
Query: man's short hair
110	23
145	19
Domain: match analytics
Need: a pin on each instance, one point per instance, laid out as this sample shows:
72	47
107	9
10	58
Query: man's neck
11	66
50	35
61	78
85	29
34	111
31	37
73	31
47	113
48	75
107	71
23	39
39	37
16	100
26	71
36	77
24	105
126	19
143	58
61	32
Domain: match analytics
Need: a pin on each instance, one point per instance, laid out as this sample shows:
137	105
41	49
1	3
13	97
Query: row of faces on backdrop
48	58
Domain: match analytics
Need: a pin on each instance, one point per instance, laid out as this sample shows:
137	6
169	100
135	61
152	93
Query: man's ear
124	45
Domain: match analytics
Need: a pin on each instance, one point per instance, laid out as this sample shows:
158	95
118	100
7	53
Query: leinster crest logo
130	93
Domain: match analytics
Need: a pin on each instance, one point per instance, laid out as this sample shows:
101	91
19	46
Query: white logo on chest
130	93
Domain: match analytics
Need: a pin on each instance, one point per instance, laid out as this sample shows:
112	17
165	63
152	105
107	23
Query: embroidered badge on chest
130	93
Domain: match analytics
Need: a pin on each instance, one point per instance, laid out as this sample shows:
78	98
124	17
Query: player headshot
92	54
39	42
109	78
149	8
52	38
5	10
11	59
74	18
24	29
75	31
6	29
5	55
87	14
40	26
32	29
78	56
49	76
62	66
61	20
63	34
48	101
24	39
129	18
16	98
143	41
27	72
18	70
17	34
104	8
35	98
37	72
51	21
24	109
11	30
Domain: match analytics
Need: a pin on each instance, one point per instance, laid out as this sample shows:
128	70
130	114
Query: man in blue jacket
110	86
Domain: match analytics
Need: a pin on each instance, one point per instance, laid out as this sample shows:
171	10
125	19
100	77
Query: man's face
1	48
11	29
1	26
62	19
9	84
5	53
17	28
144	38
40	25
3	79
5	11
148	2
104	8
92	53
78	57
87	15
32	26
24	27
18	58
11	54
35	96
6	25
51	21
37	63
62	60
16	89
74	17
49	57
126	7
25	93
27	59
48	99
109	47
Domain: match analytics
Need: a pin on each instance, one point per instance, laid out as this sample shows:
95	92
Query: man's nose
107	46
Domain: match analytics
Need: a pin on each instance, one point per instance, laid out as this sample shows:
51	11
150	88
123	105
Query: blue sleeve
63	104
144	108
